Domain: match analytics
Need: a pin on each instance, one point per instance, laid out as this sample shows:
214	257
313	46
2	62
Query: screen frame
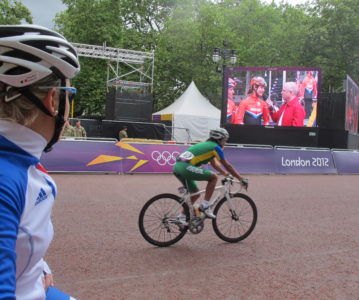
228	71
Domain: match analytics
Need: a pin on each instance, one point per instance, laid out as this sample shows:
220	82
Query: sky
44	11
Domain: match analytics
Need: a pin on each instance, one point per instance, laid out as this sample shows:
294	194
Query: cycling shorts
187	174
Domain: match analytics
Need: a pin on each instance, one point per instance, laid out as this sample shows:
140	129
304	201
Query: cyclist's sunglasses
71	90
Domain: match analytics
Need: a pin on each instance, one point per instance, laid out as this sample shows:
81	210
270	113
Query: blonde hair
22	110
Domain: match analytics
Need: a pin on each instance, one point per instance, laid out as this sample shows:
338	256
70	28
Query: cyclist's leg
190	185
192	173
212	181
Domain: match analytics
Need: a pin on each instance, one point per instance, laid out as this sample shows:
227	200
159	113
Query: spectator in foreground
36	64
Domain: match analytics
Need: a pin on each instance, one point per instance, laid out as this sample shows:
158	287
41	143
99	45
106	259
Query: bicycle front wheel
235	225
158	222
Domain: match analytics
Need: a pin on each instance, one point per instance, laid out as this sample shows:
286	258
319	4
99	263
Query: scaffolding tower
138	64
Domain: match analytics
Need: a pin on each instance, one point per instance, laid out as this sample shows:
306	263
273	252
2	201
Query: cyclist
187	168
252	109
35	67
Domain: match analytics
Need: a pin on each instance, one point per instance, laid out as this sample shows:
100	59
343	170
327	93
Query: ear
51	102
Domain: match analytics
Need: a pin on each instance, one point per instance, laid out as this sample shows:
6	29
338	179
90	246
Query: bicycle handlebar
243	182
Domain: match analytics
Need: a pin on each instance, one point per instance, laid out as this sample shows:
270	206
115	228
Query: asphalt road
305	244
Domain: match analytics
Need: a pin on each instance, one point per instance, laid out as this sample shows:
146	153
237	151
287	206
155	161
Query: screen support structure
123	63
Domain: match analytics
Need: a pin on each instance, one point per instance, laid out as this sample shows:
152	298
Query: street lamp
225	54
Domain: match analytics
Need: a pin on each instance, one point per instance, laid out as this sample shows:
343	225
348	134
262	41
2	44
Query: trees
124	24
183	33
13	12
333	42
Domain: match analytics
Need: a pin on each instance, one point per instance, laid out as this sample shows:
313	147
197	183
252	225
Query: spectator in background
79	130
253	109
291	113
123	133
68	129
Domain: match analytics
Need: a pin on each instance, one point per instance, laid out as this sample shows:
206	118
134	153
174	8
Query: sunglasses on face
71	90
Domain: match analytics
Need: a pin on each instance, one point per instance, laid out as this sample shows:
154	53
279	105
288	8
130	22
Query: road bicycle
236	215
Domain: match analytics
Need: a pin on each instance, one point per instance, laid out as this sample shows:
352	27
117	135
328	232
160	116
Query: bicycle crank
196	225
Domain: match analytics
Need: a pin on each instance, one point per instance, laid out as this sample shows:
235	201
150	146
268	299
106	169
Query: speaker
128	106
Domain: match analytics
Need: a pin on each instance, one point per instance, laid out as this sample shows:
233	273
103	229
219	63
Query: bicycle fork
231	207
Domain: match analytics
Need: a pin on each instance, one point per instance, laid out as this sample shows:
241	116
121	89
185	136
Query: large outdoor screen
352	106
244	106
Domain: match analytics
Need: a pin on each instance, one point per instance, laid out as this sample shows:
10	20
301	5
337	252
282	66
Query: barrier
346	161
297	160
122	157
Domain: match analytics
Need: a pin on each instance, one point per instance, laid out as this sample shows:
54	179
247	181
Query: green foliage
333	42
13	12
183	33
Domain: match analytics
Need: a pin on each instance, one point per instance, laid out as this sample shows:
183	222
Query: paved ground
305	245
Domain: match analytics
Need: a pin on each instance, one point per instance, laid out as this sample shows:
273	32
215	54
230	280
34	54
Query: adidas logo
41	197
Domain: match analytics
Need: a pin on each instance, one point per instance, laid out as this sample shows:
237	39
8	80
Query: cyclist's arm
230	169
215	164
10	215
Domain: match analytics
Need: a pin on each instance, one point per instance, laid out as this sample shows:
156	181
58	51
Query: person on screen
253	109
291	113
308	92
36	65
231	106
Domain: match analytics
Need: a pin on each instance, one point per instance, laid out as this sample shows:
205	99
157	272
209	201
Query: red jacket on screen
294	114
251	110
231	110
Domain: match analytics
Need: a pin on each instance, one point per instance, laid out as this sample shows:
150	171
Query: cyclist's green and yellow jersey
201	153
187	168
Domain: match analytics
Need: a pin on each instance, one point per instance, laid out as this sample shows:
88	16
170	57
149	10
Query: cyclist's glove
244	183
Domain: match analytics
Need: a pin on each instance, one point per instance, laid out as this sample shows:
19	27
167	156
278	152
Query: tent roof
191	102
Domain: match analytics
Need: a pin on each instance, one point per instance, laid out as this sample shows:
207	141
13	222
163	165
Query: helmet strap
59	118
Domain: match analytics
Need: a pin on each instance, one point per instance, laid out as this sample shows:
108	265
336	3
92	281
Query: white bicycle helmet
29	53
219	134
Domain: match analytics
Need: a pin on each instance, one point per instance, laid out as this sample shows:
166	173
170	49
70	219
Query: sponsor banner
295	161
346	162
161	159
120	157
150	158
251	160
83	156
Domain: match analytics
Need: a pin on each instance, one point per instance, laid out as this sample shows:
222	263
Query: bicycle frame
222	191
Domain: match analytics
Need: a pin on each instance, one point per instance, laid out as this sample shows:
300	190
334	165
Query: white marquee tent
191	111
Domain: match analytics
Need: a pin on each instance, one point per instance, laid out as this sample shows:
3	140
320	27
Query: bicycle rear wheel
234	226
157	221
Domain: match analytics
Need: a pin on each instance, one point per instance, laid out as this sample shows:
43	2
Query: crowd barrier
135	157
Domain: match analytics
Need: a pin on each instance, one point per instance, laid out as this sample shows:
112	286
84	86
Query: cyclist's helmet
219	134
259	81
29	53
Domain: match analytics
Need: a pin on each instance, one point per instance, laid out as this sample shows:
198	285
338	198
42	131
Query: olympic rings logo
165	157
